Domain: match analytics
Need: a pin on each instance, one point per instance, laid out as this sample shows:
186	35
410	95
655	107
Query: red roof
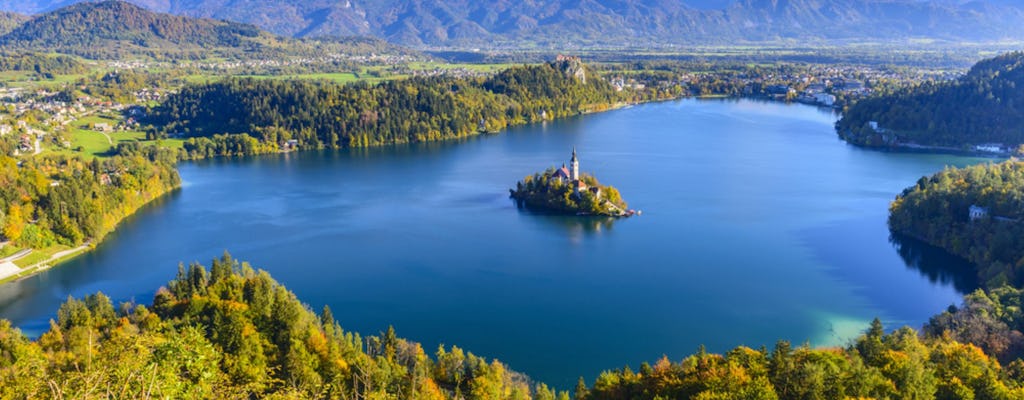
561	173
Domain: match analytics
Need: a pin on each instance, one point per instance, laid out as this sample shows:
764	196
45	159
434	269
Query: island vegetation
233	332
567	191
980	111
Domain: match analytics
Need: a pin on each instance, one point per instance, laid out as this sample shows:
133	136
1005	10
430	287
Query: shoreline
62	256
54	260
9	276
67	255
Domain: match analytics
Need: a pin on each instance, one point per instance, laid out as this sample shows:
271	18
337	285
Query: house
977	212
825	99
103	127
815	88
853	86
779	90
989	147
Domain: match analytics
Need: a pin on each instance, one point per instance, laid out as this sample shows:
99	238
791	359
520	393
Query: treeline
232	332
64	200
937	210
992	320
899	365
984	106
329	115
43	64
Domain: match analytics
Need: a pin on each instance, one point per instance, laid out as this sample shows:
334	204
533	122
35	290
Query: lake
758	224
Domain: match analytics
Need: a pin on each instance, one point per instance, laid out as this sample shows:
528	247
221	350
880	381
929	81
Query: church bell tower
575	165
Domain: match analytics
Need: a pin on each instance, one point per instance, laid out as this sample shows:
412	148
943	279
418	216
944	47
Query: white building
977	212
825	99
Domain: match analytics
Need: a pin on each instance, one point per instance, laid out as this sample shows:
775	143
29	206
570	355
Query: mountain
114	29
11	20
606	22
983	106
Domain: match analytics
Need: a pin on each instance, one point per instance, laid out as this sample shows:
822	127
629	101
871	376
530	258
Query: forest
937	210
62	200
45	64
232	332
319	114
984	106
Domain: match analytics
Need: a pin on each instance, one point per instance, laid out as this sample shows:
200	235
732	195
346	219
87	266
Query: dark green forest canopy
984	106
330	115
41	63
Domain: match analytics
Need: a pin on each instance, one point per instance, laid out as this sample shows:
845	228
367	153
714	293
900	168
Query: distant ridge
11	20
94	29
559	23
115	29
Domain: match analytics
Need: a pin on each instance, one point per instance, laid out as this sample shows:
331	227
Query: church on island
572	177
566	191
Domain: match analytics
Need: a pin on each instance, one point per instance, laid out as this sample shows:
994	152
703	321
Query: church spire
575	165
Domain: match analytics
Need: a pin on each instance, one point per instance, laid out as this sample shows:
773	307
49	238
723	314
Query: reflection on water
575	226
935	263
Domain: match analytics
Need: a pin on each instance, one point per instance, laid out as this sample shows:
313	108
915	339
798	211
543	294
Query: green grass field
39	256
90	143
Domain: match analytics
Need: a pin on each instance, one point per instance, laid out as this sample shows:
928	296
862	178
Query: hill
10	20
607	22
232	332
112	29
984	106
975	213
117	29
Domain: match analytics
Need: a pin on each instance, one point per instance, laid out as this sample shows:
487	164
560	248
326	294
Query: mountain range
115	29
567	23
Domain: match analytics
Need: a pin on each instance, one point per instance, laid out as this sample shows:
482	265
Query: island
565	191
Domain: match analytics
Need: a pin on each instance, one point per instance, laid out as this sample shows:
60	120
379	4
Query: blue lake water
758	224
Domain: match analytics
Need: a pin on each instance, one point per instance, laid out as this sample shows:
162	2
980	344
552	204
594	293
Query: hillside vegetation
9	21
984	106
232	332
115	30
49	201
937	208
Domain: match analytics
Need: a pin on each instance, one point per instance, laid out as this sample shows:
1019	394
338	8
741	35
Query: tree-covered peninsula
983	110
232	332
975	213
566	191
282	114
